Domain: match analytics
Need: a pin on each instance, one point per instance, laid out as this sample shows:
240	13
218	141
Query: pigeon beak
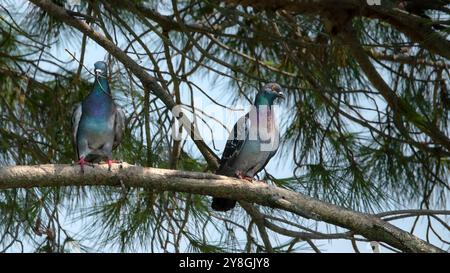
281	95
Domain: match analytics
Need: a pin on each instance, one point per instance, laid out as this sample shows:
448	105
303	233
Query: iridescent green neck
101	85
262	100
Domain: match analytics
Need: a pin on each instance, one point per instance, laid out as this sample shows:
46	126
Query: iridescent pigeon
252	143
98	123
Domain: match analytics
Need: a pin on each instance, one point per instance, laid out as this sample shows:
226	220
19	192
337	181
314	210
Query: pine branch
149	82
400	107
415	27
369	226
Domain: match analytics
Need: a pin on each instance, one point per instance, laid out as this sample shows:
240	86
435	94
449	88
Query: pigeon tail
222	204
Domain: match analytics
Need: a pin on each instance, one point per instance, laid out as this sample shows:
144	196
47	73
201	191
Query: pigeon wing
267	161
235	142
76	116
119	126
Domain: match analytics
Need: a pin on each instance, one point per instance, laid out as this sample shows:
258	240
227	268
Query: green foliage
345	144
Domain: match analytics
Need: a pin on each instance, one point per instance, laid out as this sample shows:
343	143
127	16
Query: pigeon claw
111	161
81	162
241	175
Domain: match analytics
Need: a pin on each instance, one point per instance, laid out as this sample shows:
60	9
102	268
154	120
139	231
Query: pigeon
252	143
98	123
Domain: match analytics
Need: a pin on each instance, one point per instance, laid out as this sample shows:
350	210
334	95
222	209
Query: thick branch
371	227
415	27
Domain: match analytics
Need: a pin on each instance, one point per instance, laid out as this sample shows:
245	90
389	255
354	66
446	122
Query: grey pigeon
98	123
252	143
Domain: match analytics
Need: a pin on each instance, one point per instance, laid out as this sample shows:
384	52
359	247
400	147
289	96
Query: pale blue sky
279	167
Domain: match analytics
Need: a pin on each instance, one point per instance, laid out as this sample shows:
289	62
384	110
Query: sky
277	166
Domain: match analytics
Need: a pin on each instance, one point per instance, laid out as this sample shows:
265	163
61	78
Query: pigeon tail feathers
222	204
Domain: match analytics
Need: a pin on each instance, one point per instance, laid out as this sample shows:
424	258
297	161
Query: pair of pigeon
99	124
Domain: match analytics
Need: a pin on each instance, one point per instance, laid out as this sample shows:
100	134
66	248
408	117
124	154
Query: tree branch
369	226
415	27
407	59
149	82
399	106
258	218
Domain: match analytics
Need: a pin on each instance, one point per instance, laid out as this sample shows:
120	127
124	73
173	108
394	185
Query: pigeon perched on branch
98	123
252	143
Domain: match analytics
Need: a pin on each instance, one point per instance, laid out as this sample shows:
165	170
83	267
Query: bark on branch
369	226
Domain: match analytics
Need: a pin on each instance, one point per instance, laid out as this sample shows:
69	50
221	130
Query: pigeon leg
111	161
83	151
83	162
241	175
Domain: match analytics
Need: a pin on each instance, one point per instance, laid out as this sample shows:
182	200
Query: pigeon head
100	69
269	93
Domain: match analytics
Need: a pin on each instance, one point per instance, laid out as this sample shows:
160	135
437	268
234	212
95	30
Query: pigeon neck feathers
99	103
261	99
101	85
